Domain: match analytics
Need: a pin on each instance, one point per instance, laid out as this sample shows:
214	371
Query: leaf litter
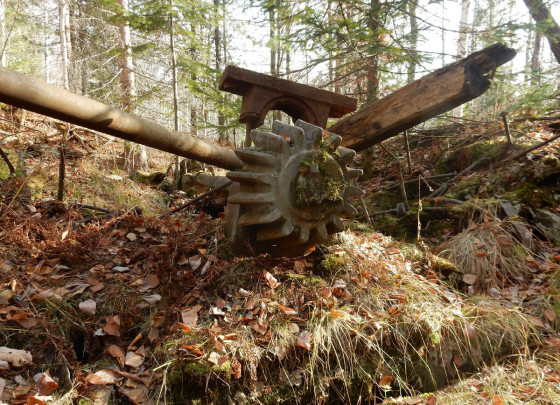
143	305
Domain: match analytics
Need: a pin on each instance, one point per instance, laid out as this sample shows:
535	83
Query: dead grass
488	251
377	326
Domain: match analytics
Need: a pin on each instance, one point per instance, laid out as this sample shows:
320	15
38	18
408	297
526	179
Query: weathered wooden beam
433	94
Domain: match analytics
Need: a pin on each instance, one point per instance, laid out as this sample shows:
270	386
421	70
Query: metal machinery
289	188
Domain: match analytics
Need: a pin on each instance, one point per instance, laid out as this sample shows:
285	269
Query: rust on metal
262	93
35	95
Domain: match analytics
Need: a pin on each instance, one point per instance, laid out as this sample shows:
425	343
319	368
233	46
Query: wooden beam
433	94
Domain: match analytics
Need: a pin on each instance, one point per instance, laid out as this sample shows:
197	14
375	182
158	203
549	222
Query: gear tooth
346	155
337	224
283	129
313	133
313	139
254	158
254	217
300	141
322	231
334	141
351	211
304	233
251	177
354	173
270	142
352	191
281	230
251	198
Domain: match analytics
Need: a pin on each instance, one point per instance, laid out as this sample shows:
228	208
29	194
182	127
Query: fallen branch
435	176
93	207
92	218
540	145
200	197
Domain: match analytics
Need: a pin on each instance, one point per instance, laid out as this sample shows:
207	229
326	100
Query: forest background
162	59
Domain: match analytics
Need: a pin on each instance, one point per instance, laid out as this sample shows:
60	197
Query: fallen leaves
113	325
190	316
46	385
88	306
102	377
117	353
270	280
304	340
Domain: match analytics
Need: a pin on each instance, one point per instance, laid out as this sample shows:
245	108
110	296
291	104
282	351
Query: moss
383	200
532	196
196	369
465	156
331	265
306	280
386	224
324	189
4	170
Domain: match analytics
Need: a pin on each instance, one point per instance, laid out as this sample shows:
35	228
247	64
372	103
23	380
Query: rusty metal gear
293	188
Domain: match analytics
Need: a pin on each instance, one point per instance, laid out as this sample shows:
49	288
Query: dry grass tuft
488	251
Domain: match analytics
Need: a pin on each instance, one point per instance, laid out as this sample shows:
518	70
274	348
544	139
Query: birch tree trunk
462	42
222	134
46	50
3	59
63	19
135	156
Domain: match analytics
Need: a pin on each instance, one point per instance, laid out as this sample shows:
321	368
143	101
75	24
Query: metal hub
294	187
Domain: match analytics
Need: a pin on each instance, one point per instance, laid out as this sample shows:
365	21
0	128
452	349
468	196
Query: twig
89	219
439	190
540	145
444	200
435	176
504	114
23	183
62	165
93	207
407	148
403	189
79	138
7	160
521	119
200	197
444	186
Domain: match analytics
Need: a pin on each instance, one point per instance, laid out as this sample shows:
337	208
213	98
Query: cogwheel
293	188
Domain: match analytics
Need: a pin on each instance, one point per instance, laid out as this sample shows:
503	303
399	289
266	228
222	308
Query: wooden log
433	94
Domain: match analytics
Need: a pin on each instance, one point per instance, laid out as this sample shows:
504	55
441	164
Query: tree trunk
173	70
535	60
194	78
372	61
3	59
135	156
413	54
63	28
222	134
46	50
546	23
462	43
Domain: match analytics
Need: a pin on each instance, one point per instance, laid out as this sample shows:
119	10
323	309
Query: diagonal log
433	94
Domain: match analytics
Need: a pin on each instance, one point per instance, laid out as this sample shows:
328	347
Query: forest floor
454	299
